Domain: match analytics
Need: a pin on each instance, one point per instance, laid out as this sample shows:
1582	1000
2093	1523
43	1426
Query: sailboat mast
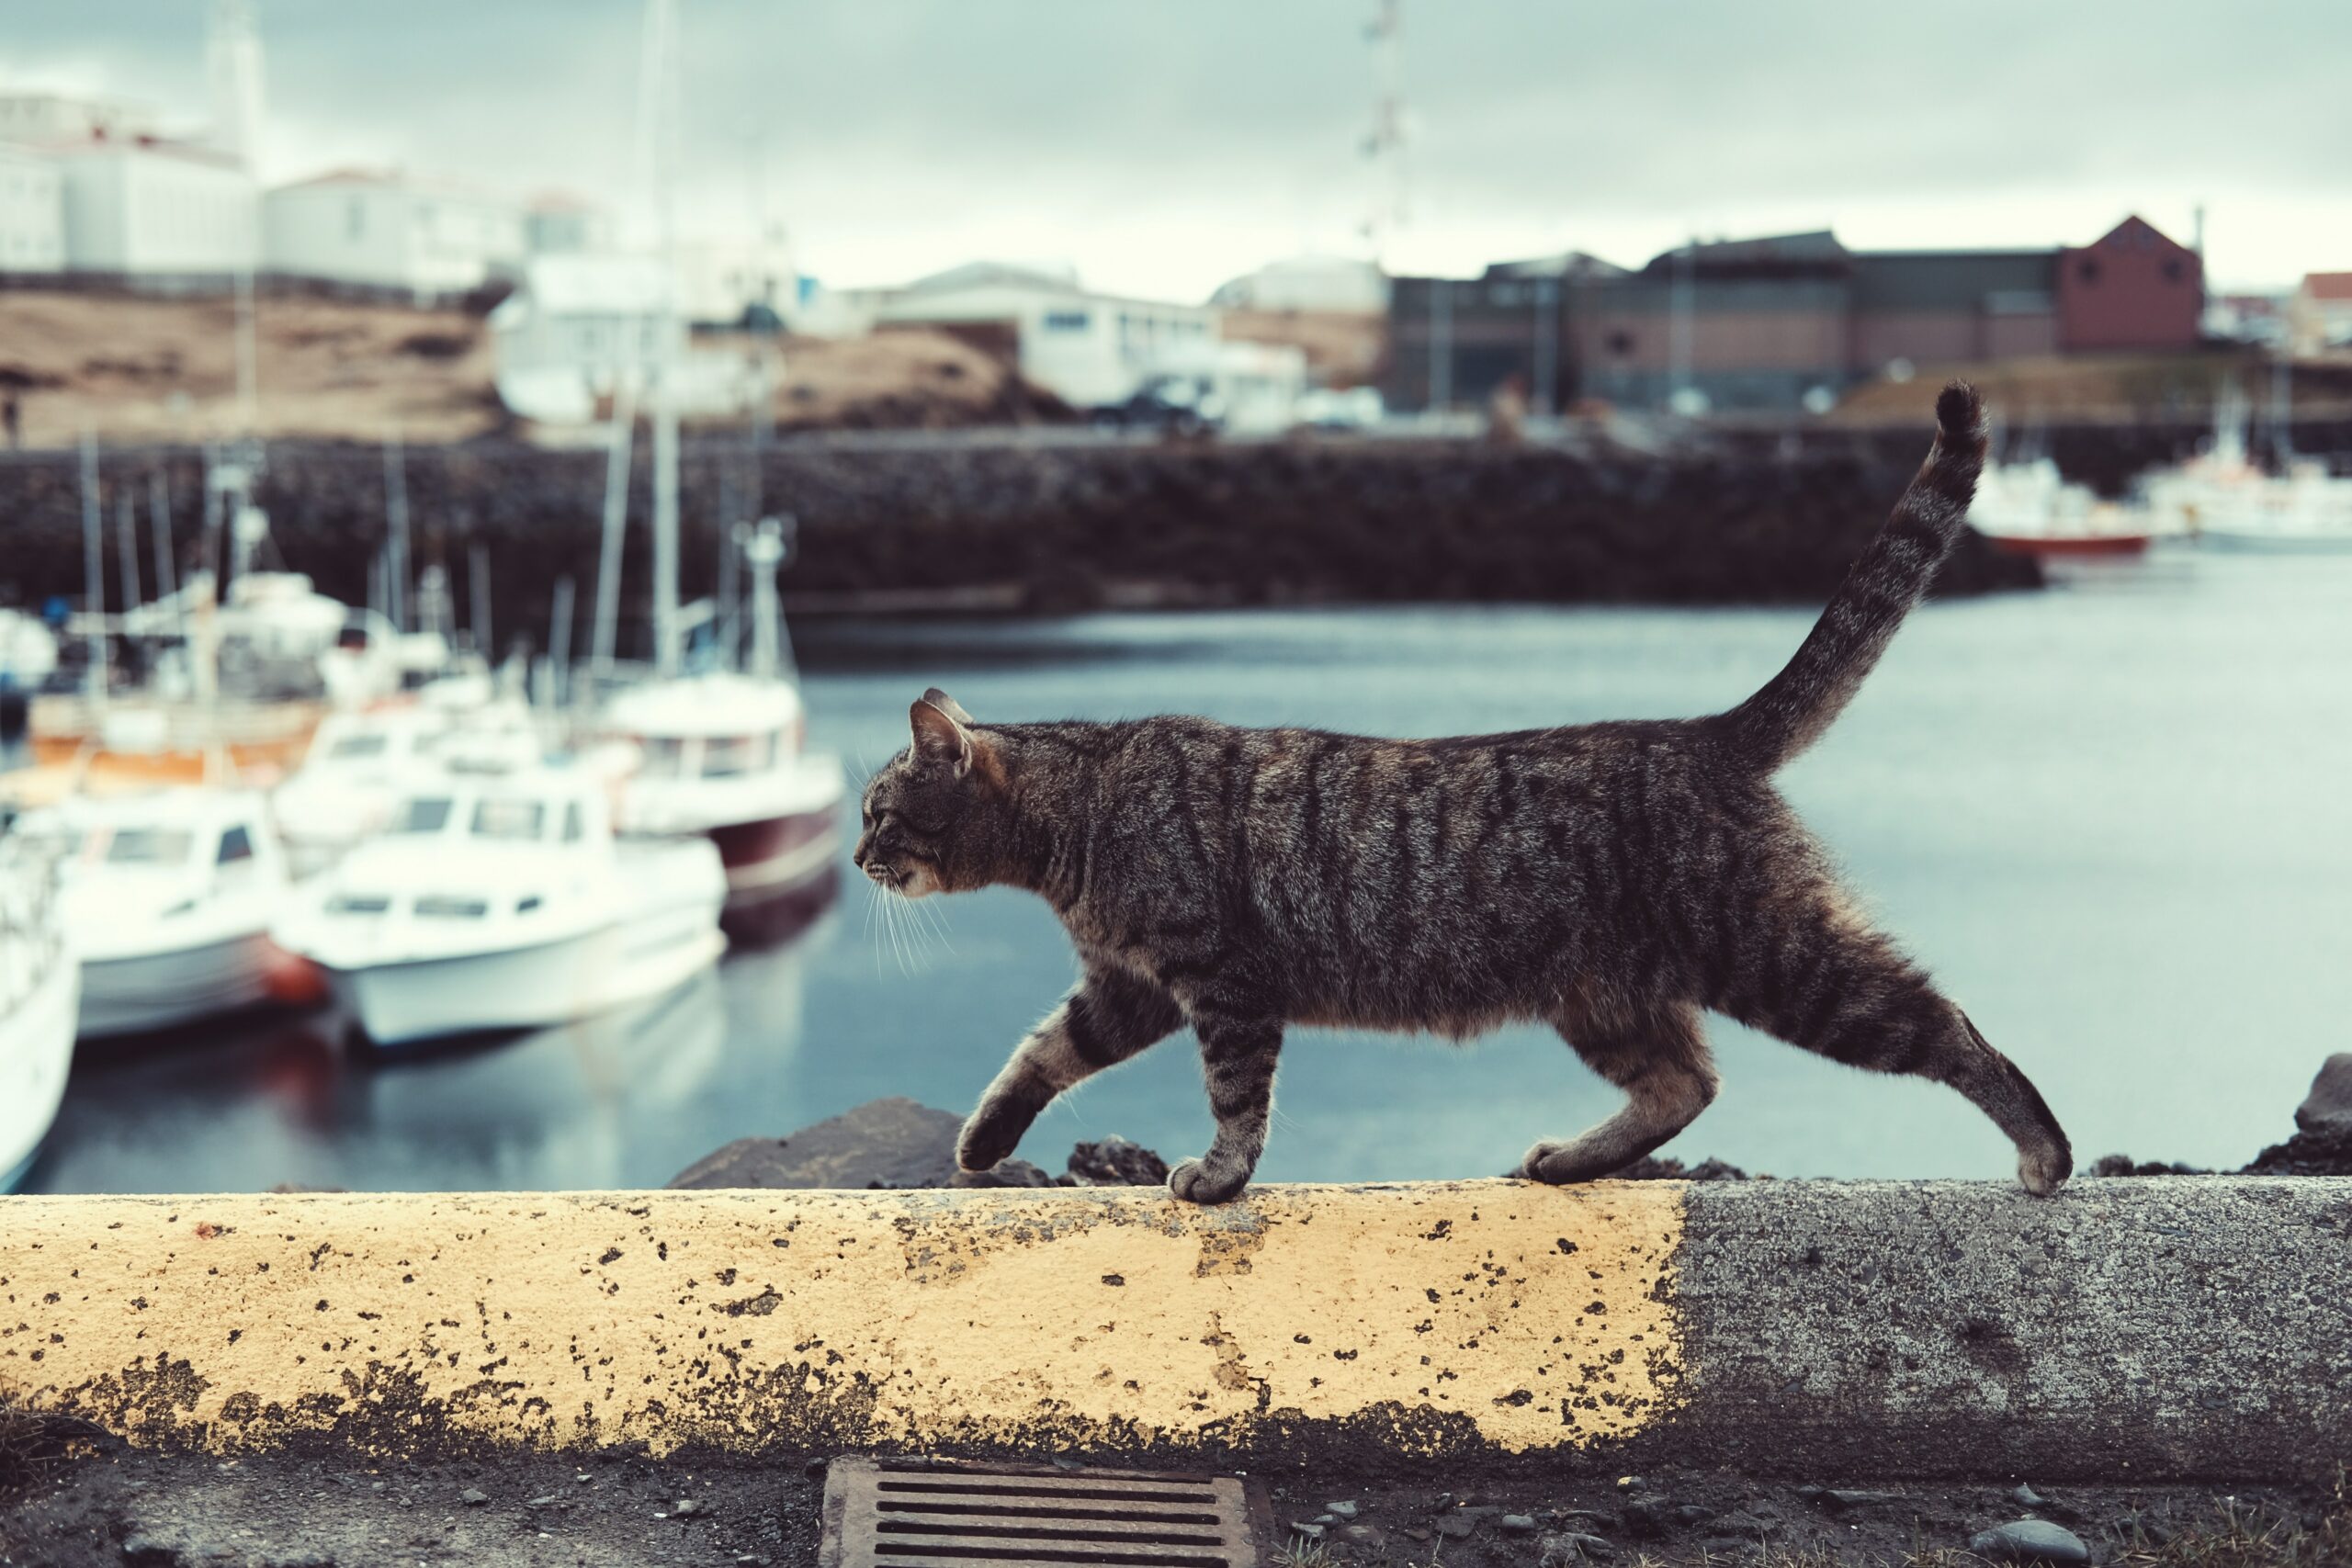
661	116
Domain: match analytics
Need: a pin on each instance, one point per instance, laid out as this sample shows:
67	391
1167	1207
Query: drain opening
910	1514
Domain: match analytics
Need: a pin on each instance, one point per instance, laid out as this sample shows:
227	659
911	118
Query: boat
167	898
2306	510
40	991
503	900
719	754
2030	509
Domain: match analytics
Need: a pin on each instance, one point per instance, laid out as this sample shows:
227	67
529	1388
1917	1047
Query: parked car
1333	408
1179	405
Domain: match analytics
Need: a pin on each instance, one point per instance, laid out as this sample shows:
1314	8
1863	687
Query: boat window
451	909
523	906
726	756
236	844
509	819
665	756
358	747
771	748
575	829
359	904
427	814
149	846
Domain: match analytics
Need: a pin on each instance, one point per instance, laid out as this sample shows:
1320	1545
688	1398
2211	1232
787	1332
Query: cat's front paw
992	1132
1195	1181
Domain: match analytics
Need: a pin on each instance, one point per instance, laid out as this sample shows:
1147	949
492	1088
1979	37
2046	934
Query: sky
1163	146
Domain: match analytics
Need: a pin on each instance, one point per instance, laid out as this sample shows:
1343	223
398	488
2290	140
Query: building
732	282
32	211
559	223
1779	323
2130	289
577	328
388	230
155	209
2319	316
38	119
1089	349
1335	284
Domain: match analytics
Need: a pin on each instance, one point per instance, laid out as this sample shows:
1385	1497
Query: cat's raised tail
1793	707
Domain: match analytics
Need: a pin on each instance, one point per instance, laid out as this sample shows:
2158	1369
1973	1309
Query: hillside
137	368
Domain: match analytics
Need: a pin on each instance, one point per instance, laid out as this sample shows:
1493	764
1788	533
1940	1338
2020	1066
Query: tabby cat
1611	880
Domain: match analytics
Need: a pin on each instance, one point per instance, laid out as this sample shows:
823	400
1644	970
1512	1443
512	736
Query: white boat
501	901
2028	508
167	899
28	651
351	779
2305	510
39	990
720	755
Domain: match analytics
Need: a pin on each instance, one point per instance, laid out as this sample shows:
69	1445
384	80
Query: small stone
1693	1513
1456	1528
473	1496
1646	1518
1326	1520
686	1508
550	1501
1310	1531
1519	1524
1842	1498
2030	1541
1372	1538
1812	1494
1414	1532
1340	1510
2025	1497
1629	1484
1565	1547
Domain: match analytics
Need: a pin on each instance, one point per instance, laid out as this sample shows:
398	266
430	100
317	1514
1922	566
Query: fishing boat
40	991
2306	510
503	900
167	899
2030	509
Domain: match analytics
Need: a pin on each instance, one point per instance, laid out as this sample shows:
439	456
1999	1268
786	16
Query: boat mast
608	555
94	569
659	124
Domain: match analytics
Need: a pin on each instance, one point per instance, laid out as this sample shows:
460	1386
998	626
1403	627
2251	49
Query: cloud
1166	146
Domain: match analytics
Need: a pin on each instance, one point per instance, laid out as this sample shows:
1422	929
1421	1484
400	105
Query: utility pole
1441	343
1384	145
1547	346
1679	326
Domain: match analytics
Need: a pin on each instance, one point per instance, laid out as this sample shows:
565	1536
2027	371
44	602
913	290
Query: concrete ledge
2130	1329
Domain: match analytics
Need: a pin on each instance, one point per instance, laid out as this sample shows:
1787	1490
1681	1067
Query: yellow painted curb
1485	1316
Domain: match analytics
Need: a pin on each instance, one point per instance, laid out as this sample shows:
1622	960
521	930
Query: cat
1612	880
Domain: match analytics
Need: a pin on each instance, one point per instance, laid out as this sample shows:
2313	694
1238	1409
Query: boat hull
777	858
141	994
36	1050
2279	542
532	987
2090	546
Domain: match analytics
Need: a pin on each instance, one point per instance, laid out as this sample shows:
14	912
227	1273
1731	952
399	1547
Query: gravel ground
119	1505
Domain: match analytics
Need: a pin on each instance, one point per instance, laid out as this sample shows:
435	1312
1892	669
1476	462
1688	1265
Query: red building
2131	289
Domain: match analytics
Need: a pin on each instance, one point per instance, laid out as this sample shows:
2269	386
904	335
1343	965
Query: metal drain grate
914	1514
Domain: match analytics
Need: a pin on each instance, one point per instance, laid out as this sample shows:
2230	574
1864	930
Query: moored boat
40	991
167	898
502	900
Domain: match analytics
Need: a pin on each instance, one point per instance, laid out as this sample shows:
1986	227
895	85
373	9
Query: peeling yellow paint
1491	1314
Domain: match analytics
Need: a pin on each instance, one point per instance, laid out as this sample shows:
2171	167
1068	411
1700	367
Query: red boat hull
2092	545
775	858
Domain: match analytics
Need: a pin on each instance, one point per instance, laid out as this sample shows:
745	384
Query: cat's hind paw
1196	1183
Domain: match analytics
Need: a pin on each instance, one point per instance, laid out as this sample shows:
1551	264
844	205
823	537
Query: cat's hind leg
1822	980
1109	1017
1657	1054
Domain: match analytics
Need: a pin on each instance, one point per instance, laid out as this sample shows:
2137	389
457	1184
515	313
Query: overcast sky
1164	145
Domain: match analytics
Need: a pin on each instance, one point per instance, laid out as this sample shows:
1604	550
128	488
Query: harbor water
2115	818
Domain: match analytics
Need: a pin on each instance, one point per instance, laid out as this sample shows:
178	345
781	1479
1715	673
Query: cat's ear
939	737
949	706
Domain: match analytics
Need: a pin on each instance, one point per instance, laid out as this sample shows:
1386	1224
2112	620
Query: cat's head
932	813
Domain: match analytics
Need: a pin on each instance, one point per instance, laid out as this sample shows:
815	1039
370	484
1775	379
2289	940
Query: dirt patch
280	1512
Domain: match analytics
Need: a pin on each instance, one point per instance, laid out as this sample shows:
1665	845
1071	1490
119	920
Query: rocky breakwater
1047	527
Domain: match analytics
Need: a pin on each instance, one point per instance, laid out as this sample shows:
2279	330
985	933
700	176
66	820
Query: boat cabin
710	727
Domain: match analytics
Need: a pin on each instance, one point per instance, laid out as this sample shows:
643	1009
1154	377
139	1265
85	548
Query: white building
1089	349
1333	284
720	279
151	206
559	223
37	118
577	327
391	230
32	211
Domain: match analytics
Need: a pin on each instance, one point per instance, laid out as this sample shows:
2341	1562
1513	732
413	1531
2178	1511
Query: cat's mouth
911	881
